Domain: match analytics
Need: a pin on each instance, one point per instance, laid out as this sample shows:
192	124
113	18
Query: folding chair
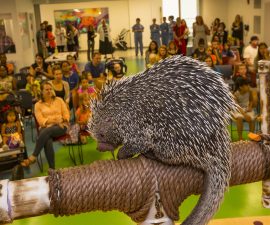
26	103
60	138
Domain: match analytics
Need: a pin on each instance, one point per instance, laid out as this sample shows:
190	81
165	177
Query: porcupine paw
124	153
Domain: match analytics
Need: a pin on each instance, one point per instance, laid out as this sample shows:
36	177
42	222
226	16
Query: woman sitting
52	117
60	87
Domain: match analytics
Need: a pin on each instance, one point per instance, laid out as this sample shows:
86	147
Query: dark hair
96	53
149	48
39	55
259	55
49	28
42	88
201	41
84	76
240	81
68	56
10	111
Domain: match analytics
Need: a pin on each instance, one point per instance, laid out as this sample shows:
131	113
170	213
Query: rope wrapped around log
130	185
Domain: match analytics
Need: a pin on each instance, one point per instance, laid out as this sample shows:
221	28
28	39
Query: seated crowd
62	91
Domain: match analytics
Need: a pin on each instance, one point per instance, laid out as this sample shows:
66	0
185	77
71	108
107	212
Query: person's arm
42	121
32	71
48	73
67	91
64	111
3	129
19	128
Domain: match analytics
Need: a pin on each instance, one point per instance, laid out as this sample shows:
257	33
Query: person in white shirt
60	33
250	52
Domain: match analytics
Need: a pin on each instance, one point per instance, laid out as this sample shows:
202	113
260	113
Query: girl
11	131
83	114
172	48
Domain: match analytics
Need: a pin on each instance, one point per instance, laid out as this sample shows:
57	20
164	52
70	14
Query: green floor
240	201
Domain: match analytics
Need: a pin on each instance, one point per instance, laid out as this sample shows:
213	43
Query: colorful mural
81	18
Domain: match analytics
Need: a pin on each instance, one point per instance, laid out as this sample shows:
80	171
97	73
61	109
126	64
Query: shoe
254	137
27	162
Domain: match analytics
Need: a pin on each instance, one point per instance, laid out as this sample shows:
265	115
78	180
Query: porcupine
176	112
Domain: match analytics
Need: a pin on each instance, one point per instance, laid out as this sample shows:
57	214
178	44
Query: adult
138	30
250	53
105	40
51	40
6	43
53	119
3	62
155	32
60	87
152	49
40	69
70	38
215	25
263	54
171	26
200	31
238	30
90	41
72	78
96	68
60	37
7	82
179	33
41	40
164	29
221	33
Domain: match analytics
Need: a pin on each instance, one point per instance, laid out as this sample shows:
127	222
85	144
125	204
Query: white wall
210	9
21	57
265	26
122	14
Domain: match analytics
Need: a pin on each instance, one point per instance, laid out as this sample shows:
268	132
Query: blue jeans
138	41
45	140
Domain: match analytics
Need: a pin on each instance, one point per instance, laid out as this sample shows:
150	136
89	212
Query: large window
170	7
189	10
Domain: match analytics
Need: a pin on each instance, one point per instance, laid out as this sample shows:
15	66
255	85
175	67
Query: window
189	11
170	7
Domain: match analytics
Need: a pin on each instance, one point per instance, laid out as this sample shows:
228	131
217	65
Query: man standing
138	29
171	27
164	28
155	32
6	43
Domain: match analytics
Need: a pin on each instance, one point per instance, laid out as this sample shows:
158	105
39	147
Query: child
172	48
247	100
83	114
200	52
72	63
152	60
86	85
11	131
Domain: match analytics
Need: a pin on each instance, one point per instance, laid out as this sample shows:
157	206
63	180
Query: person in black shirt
90	41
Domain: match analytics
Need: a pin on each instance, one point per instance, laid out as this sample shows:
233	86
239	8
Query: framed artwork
7	44
81	18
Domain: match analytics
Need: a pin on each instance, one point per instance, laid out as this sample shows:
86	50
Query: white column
264	75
